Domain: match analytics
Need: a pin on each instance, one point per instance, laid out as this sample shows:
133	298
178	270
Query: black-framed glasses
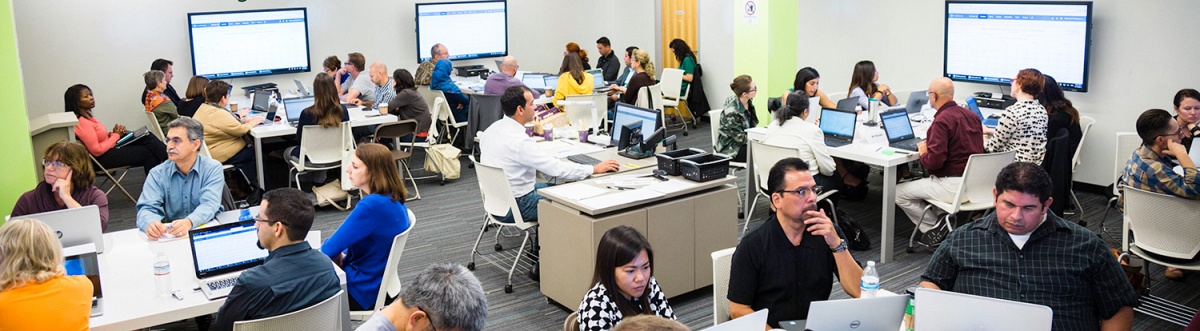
55	163
815	190
261	219
1177	133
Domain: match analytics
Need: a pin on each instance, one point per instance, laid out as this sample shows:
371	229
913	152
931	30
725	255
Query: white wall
108	45
716	39
1142	53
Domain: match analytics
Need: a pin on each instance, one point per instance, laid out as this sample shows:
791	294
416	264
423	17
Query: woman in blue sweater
362	243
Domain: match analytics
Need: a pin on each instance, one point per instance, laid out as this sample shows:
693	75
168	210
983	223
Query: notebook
74	226
534	81
294	106
221	252
868	314
944	311
132	137
81	260
838	126
899	130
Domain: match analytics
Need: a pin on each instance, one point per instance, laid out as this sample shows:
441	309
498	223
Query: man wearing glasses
790	260
954	135
293	277
184	191
1150	166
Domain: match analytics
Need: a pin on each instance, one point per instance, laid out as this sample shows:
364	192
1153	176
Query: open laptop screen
226	248
840	123
85	265
295	106
896	124
551	81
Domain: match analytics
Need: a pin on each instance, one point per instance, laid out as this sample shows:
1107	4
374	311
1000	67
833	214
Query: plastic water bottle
162	274
870	281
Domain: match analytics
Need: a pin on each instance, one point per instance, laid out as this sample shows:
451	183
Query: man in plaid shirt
1150	166
1023	252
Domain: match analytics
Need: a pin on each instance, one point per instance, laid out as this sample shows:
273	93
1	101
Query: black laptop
838	126
899	130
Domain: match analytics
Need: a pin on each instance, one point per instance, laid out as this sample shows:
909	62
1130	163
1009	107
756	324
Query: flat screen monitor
469	30
249	43
990	41
627	113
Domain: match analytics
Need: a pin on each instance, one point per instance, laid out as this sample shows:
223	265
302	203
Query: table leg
750	186
889	214
258	162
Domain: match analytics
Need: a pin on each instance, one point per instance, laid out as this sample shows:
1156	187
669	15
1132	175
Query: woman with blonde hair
572	81
35	292
574	48
644	76
68	184
366	235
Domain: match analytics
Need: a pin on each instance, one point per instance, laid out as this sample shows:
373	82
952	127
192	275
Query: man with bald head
500	81
955	134
381	91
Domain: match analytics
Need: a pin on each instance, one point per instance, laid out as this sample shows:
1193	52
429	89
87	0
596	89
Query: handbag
856	236
443	159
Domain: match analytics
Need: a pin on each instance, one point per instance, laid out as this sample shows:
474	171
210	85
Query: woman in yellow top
226	133
572	80
35	292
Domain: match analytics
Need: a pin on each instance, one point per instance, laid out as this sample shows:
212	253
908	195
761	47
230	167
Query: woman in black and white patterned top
1023	125
625	285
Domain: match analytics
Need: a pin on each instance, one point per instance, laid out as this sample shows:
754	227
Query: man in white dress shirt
505	145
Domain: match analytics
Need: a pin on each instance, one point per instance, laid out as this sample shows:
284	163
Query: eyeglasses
55	163
175	140
1177	132
260	219
815	190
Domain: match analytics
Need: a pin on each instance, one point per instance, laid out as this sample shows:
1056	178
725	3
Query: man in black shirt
294	276
789	261
1022	252
167	67
607	62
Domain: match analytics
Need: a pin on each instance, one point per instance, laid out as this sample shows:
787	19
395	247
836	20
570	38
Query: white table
358	117
130	301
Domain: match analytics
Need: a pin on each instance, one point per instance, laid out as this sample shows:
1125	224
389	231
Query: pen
622	188
879	149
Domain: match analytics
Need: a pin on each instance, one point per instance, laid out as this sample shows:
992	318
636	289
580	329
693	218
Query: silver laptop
534	81
300	87
872	314
945	311
755	321
294	106
598	84
74	226
81	260
916	101
850	104
550	81
221	252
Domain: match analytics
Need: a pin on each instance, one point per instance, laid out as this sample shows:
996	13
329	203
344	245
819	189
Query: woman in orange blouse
35	292
146	152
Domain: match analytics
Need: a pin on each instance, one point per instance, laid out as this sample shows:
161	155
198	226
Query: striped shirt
1062	265
385	93
1148	171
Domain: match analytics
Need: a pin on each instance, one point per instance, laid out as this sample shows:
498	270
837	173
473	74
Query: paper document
670	186
620	198
576	191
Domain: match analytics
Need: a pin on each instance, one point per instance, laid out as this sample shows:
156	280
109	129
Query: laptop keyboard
220	284
910	144
583	159
835	142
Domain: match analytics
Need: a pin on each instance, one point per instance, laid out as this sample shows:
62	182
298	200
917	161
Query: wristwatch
841	247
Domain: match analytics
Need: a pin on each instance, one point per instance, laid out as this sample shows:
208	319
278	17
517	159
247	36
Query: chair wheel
498	247
471	166
443	183
507	288
741	215
471	266
685	134
910	250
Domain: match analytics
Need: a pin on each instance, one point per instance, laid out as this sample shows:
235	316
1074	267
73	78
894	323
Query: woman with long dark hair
326	111
624	282
808	80
572	80
864	87
146	152
409	105
1062	114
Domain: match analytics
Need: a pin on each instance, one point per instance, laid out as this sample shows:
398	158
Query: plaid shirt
1063	266
1148	171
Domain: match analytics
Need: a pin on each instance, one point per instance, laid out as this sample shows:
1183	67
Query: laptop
550	81
498	62
945	311
262	100
990	121
534	81
754	321
838	126
74	226
598	84
294	106
81	260
300	87
221	252
848	104
869	314
899	130
916	101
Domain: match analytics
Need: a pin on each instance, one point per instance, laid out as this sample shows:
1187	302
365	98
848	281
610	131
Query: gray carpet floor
449	217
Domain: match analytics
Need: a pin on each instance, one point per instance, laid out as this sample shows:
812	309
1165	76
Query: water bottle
162	274
870	281
872	111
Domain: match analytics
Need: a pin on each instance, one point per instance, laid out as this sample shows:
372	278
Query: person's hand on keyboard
606	166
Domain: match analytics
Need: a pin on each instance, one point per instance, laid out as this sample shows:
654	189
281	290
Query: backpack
856	236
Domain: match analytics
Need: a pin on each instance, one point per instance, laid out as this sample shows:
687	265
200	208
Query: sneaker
934	236
1174	274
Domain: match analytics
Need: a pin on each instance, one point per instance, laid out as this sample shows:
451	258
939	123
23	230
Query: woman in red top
145	152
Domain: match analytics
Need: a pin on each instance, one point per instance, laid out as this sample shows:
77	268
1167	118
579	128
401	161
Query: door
678	21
